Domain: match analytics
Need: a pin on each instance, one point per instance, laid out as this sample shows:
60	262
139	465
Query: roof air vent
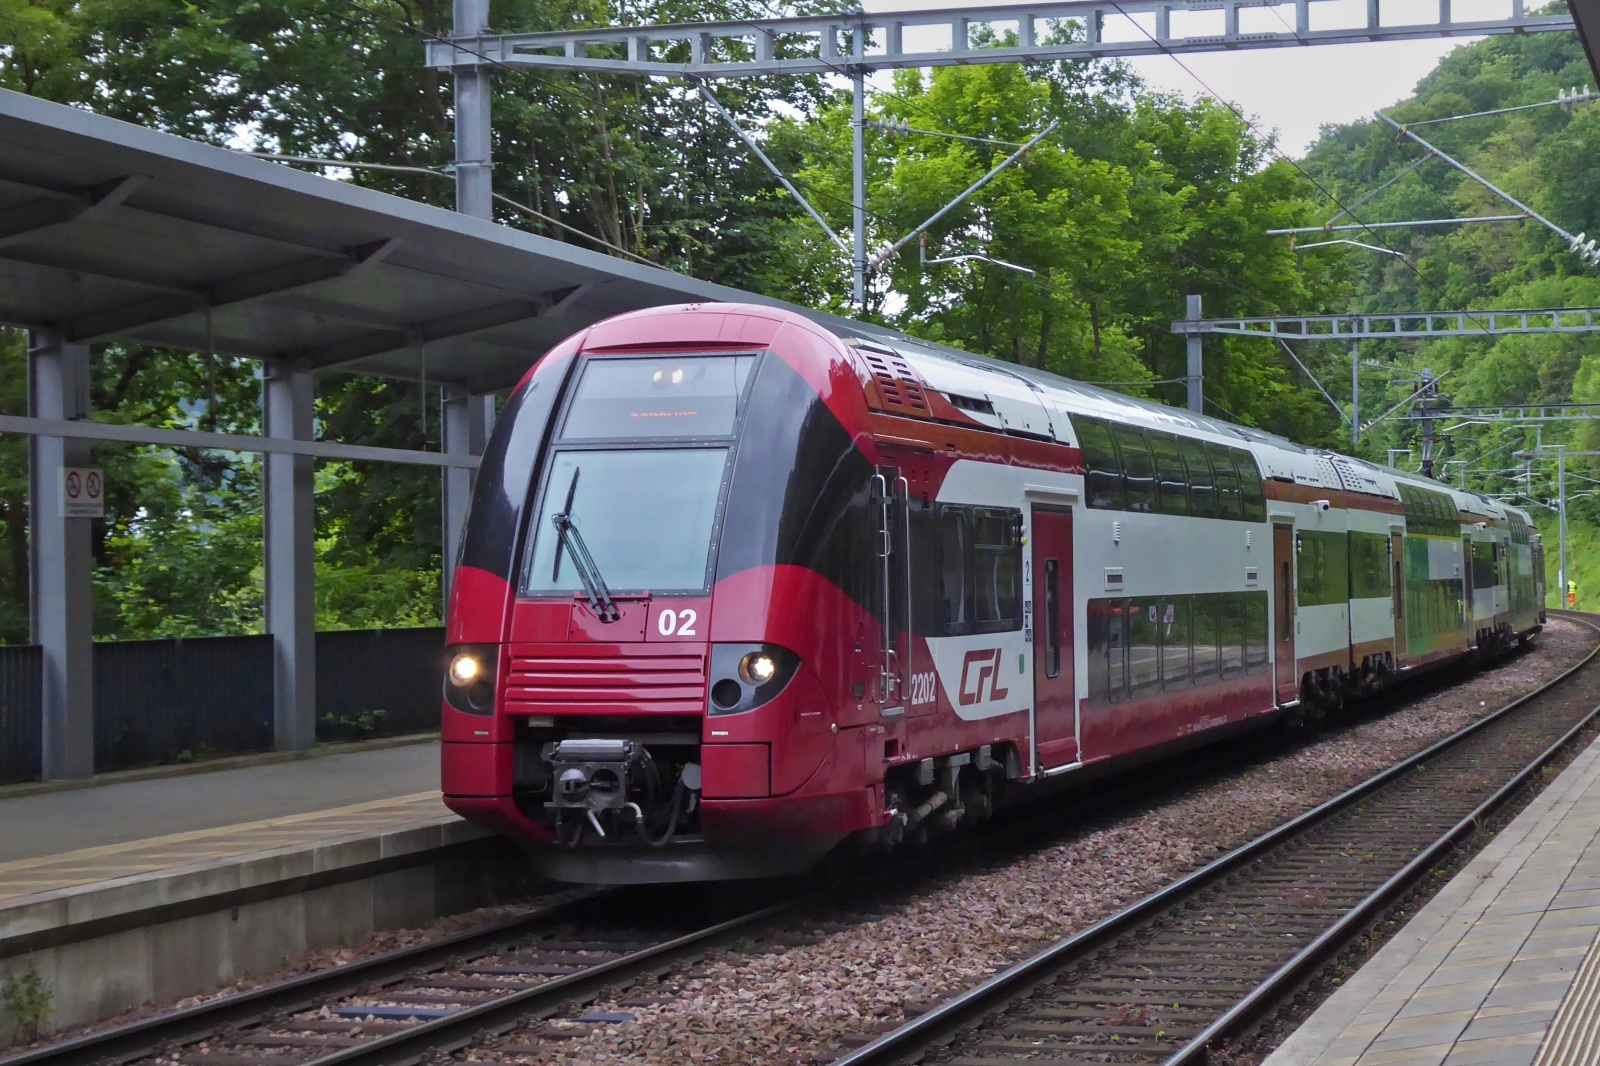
897	382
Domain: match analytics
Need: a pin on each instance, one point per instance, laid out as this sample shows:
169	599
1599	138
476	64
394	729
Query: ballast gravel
768	1003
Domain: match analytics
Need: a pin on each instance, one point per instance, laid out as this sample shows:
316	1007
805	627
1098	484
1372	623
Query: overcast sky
1297	90
1293	90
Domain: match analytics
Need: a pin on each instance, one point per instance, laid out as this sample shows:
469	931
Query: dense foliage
1136	200
1549	158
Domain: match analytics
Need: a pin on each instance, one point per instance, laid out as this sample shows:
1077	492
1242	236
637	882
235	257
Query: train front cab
659	489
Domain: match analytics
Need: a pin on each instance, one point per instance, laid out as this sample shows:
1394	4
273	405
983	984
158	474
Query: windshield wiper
570	541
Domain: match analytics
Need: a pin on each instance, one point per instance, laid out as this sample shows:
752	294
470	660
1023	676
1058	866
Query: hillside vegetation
1548	158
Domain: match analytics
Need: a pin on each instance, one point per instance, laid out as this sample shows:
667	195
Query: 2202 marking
923	688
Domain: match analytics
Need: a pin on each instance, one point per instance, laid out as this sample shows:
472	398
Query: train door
1286	669
1397	562
1467	586
1055	728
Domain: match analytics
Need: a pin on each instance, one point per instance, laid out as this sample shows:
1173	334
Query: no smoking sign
83	492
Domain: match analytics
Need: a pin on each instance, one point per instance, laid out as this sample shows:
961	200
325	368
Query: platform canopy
113	232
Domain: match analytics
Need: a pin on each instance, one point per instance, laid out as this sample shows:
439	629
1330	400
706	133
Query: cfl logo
981	670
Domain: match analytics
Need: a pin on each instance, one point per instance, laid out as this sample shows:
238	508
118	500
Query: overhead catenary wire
1421	278
1563	99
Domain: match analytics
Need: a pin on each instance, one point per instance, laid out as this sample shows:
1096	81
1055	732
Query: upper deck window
675	396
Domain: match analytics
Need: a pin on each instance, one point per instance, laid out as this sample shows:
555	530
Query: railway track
1188	970
432	997
512	986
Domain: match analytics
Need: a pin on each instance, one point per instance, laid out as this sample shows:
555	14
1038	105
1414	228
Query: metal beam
474	138
62	592
228	442
928	38
19	222
288	530
1547	412
242	288
447	327
1421	325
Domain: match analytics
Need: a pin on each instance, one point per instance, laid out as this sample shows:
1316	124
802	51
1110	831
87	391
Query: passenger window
1229	503
1204	624
1202	488
1175	644
1255	632
1102	470
1099	621
1138	472
996	570
952	570
1144	649
1052	618
1170	474
1116	671
1232	635
1255	501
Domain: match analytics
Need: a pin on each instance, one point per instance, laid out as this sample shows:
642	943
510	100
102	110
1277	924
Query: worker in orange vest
1572	594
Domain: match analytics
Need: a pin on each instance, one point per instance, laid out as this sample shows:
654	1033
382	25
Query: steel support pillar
63	589
858	189
1561	502
1355	394
1195	376
474	150
467	421
289	531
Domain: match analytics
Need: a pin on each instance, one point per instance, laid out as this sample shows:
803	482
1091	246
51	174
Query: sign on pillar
83	492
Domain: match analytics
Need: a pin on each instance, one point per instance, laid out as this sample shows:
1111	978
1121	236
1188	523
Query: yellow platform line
263	828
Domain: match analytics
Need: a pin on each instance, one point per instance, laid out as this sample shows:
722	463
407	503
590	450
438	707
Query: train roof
1011	390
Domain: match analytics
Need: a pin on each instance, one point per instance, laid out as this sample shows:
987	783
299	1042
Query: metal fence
21	693
160	701
378	682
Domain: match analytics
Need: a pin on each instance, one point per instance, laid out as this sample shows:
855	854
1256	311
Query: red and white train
737	589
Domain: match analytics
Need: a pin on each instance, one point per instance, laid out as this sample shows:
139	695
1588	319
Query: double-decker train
738	588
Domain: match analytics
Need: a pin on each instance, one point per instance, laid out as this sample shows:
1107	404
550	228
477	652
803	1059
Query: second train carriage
736	588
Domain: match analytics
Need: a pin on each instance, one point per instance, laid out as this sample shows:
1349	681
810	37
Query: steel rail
963	1010
457	1030
136	1039
163	1033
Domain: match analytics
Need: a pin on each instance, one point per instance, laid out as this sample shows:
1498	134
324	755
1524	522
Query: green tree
1547	158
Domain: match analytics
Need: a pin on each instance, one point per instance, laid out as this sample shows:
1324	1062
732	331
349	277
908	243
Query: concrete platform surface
1501	967
219	847
152	890
57	822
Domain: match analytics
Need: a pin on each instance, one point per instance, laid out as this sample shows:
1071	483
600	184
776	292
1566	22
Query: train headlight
469	677
465	668
744	676
757	668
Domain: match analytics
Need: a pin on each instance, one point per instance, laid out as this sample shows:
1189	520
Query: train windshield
645	514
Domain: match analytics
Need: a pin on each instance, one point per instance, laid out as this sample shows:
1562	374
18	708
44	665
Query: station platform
133	891
1501	967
